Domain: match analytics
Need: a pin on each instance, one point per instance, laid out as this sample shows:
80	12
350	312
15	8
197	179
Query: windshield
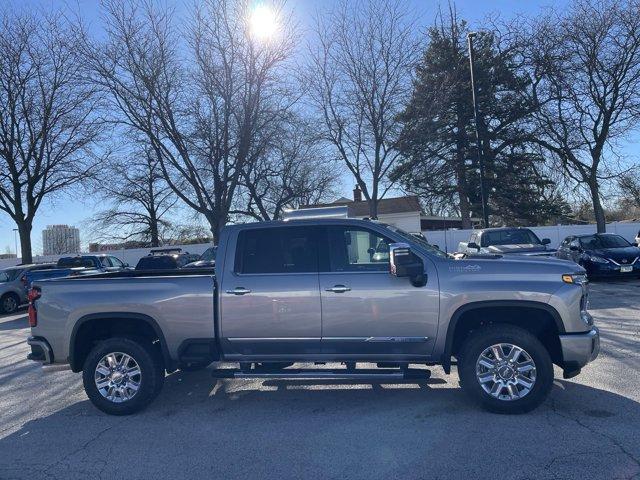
75	262
510	237
209	254
593	242
422	243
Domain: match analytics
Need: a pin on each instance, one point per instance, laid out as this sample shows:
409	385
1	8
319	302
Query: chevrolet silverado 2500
324	290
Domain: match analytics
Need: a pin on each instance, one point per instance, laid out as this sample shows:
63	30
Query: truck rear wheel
122	376
506	369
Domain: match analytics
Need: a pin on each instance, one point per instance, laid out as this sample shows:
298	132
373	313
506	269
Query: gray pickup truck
506	241
318	291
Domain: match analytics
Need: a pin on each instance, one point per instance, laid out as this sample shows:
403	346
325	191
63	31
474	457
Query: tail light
32	296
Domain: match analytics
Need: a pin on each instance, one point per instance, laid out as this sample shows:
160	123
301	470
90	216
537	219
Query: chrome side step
373	374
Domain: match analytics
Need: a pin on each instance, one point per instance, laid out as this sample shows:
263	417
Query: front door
270	300
367	311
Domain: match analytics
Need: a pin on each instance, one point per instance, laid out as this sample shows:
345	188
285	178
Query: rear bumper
40	350
578	349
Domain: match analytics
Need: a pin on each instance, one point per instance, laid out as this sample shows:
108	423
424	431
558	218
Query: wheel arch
77	356
495	305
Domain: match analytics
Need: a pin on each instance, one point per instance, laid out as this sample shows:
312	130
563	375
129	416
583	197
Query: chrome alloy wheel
506	371
118	377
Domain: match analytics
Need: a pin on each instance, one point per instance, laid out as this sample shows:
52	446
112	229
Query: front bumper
40	350
578	349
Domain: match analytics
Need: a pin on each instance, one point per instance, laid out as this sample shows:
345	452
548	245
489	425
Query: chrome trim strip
271	339
377	339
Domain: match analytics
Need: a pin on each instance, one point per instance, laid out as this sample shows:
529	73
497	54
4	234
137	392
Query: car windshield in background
75	262
209	254
510	237
594	242
157	262
412	239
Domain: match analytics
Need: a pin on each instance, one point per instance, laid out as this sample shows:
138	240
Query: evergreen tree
438	137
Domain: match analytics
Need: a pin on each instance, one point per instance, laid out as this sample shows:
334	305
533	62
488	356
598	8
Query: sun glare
263	22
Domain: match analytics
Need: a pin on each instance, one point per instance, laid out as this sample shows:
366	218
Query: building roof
386	206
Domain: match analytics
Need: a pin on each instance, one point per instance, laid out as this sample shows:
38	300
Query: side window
357	249
106	263
277	250
116	262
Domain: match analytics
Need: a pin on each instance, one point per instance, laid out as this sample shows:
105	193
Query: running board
329	374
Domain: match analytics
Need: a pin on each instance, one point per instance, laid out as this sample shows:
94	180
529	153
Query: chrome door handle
239	291
338	289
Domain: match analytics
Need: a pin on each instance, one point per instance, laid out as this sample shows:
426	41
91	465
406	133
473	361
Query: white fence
449	239
130	256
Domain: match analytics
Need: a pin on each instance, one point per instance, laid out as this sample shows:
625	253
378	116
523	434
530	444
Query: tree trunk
598	211
24	230
155	239
373	209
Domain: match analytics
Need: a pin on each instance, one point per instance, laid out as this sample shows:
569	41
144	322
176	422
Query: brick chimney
357	194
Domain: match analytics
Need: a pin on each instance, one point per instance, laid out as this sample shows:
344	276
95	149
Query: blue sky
76	210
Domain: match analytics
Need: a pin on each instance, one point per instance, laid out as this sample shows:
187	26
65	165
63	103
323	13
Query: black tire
151	381
9	303
480	340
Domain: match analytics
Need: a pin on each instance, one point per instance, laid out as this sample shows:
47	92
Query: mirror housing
404	263
546	241
473	245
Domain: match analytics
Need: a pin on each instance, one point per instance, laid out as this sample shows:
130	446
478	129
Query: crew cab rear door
367	311
270	299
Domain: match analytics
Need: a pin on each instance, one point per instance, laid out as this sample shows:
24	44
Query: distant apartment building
60	240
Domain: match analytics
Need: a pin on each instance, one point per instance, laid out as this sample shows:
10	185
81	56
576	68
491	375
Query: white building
60	240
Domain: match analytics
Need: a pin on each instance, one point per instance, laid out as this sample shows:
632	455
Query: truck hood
520	264
525	249
617	254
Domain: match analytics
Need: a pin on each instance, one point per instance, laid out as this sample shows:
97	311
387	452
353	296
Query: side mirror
546	241
404	263
473	245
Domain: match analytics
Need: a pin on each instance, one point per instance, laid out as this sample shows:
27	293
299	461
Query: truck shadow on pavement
353	429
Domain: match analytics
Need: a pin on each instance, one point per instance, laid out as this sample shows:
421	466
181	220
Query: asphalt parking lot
203	428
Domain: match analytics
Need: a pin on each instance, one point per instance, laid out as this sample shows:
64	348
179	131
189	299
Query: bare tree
202	106
47	126
140	199
585	67
629	185
360	78
294	171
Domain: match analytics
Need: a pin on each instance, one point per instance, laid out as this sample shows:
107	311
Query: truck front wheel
122	376
506	369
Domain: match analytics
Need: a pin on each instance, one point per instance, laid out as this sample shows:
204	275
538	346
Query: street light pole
474	93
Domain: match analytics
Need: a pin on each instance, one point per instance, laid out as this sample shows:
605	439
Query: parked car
637	239
602	254
166	259
13	288
206	260
77	265
505	241
309	291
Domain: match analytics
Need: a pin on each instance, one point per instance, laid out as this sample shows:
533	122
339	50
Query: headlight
595	259
575	278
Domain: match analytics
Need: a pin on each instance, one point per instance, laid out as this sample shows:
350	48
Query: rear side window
9	275
277	250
